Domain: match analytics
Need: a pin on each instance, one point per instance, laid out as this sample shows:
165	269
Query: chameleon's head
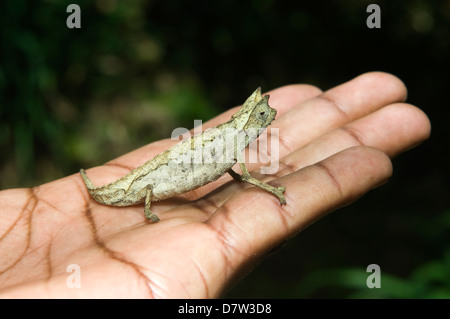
256	112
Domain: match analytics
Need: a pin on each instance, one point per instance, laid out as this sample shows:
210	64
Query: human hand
334	147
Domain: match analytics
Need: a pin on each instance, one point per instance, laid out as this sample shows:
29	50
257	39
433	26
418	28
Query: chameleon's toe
280	195
153	218
150	216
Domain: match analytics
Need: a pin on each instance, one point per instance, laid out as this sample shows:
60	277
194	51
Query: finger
392	129
337	107
282	99
252	223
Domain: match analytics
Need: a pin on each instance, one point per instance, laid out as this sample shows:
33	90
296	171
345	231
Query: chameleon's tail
87	181
107	194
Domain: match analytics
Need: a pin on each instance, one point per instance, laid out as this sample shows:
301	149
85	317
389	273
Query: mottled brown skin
165	175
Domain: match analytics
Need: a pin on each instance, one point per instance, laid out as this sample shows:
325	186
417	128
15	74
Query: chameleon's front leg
246	177
148	201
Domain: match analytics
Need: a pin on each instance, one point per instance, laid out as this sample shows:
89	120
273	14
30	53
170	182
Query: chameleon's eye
263	116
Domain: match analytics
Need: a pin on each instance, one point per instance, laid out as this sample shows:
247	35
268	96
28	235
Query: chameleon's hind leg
148	201
246	177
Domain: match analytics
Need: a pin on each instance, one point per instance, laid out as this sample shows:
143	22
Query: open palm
334	147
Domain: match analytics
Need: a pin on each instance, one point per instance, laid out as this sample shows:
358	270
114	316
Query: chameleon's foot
150	216
148	201
245	177
278	192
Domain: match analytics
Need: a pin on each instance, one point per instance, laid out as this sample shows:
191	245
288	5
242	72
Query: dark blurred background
72	98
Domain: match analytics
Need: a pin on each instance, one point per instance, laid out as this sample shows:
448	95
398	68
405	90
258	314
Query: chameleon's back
194	163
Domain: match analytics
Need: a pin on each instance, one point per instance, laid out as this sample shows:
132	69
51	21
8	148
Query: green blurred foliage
75	98
72	98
